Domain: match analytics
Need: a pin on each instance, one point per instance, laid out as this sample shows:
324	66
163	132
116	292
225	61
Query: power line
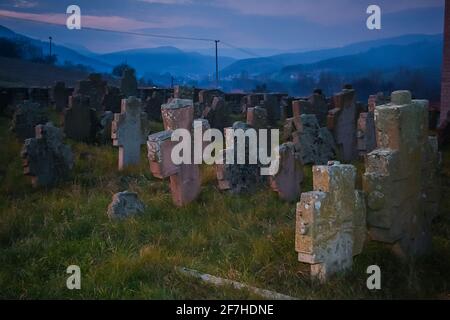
113	31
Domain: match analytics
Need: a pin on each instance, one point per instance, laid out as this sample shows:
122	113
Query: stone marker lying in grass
331	221
125	204
399	174
129	130
46	159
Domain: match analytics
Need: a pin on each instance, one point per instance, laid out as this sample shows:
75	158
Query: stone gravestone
342	123
153	105
112	100
286	182
315	144
234	177
104	134
257	117
184	92
396	174
46	159
270	103
178	113
129	131
80	120
128	84
26	117
217	113
331	221
95	88
125	204
60	96
185	180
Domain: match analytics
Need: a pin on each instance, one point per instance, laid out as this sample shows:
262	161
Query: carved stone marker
80	120
289	177
27	116
129	131
45	158
396	174
178	113
331	221
128	84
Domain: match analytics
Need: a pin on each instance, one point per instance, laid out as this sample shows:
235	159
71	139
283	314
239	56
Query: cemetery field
248	238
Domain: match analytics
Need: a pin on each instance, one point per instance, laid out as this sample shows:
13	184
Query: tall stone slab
60	96
128	83
45	158
129	130
287	181
80	120
394	177
330	221
342	123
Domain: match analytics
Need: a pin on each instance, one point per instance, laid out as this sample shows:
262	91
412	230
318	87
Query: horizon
271	31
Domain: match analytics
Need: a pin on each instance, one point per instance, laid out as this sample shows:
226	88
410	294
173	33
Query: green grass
244	238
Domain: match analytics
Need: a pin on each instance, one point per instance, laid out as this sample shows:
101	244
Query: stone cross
398	176
330	221
46	159
185	180
129	131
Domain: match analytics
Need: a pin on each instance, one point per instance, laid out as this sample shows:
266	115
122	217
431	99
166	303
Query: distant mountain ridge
268	65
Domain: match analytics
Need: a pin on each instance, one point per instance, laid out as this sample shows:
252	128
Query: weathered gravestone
366	140
315	144
270	103
217	113
233	176
316	104
342	123
153	105
40	95
185	180
128	83
257	117
178	113
60	96
95	88
184	92
129	130
396	173
125	204
80	120
45	158
104	134
331	221
286	182
112	101
26	117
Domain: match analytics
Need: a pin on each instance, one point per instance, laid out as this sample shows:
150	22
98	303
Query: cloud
101	22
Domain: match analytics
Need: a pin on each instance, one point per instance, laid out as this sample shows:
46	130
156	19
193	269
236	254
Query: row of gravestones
398	202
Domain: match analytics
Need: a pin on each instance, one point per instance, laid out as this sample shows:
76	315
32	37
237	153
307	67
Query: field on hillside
248	238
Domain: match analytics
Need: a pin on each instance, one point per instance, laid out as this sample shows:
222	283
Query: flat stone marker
178	114
331	221
129	131
45	158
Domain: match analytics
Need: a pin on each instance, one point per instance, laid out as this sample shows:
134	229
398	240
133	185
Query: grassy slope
245	238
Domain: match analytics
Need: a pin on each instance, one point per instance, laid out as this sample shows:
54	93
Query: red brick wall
445	90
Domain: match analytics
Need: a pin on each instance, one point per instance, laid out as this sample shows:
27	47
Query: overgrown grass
244	238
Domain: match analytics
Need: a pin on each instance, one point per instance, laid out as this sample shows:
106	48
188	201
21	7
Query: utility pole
50	45
217	65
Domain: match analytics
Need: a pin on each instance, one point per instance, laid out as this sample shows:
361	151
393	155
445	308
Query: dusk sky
265	26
